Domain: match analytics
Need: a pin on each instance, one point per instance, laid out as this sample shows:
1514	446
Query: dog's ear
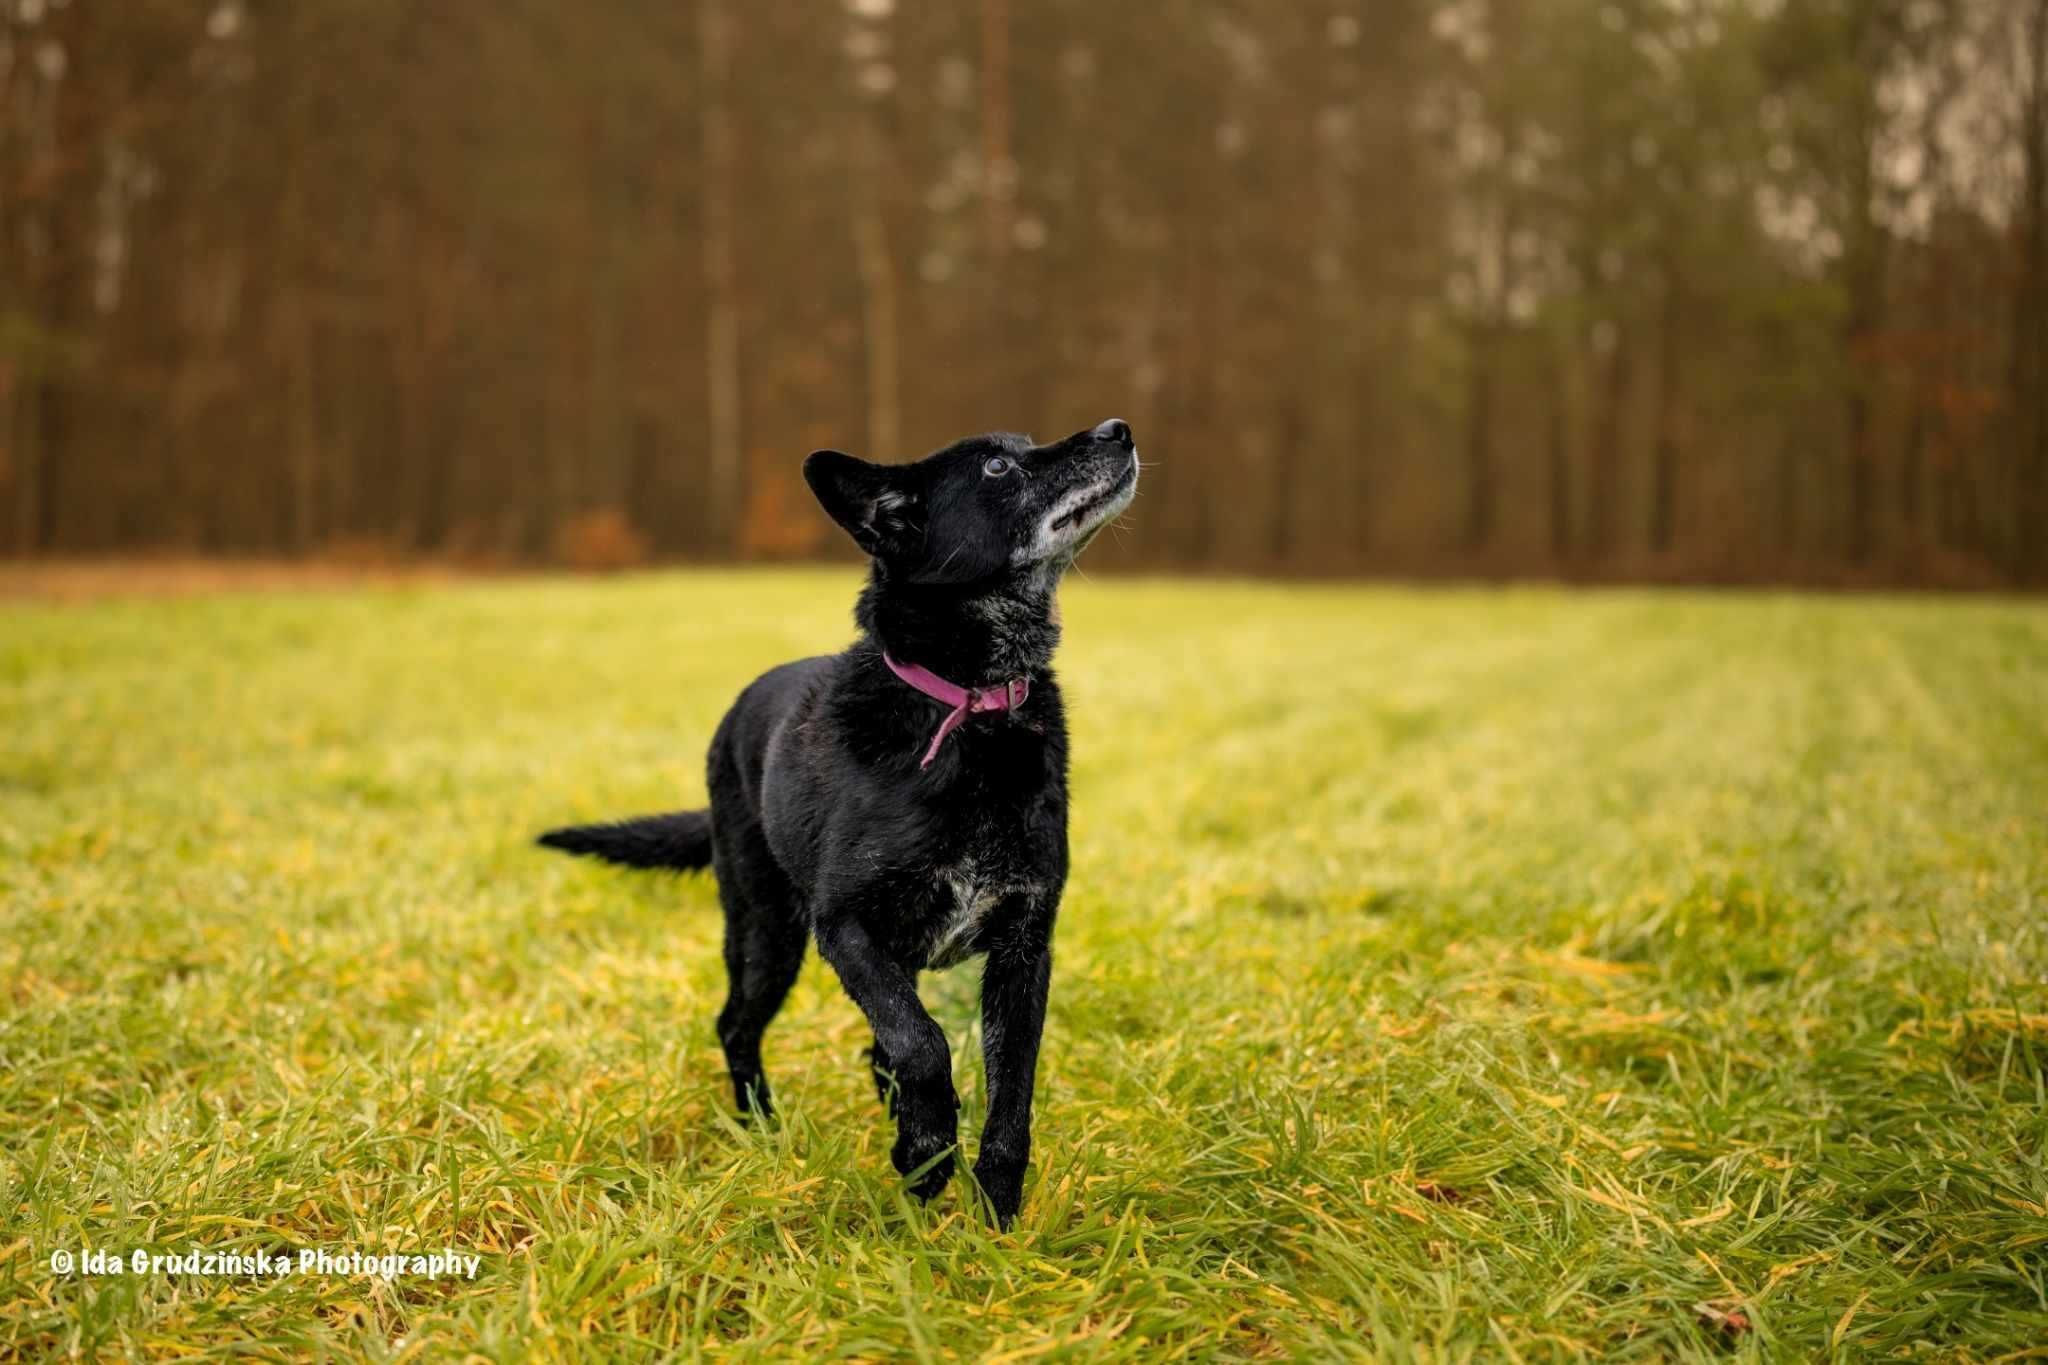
875	504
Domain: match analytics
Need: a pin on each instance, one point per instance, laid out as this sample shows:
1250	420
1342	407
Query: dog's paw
753	1100
1002	1186
927	1159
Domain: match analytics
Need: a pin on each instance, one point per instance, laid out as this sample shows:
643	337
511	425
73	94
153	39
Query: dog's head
983	508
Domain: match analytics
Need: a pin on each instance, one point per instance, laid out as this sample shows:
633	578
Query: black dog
905	802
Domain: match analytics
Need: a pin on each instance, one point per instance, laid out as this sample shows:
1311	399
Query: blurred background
1709	290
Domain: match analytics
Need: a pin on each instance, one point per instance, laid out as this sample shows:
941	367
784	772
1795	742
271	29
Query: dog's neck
974	635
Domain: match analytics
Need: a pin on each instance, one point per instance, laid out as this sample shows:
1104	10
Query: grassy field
1519	975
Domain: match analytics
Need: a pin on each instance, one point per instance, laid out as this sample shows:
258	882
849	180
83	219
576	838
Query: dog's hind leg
764	949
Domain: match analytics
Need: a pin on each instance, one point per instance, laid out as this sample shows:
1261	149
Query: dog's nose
1115	429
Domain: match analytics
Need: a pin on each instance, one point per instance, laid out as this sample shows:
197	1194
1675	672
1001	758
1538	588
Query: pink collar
1006	696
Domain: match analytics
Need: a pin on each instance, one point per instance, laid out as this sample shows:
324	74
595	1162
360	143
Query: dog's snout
1115	429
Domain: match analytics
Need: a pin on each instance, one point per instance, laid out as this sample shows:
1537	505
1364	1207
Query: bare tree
721	313
1416	285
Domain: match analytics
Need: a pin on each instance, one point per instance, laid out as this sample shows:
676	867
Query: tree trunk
721	312
25	461
606	448
998	189
1861	478
1788	497
1603	462
1186	492
877	290
1664	458
1911	462
1479	438
1864	264
1559	457
2029	386
302	424
1486	341
1289	433
293	334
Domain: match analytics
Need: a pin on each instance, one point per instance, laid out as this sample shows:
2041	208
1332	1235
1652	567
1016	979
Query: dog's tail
679	841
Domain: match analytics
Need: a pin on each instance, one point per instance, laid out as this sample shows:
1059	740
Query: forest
1674	290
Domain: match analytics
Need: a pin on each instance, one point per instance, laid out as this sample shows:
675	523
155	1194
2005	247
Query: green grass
1508	975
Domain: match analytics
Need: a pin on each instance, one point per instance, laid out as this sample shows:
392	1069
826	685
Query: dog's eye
995	466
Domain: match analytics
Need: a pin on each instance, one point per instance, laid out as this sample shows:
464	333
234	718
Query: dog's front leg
1013	988
927	1110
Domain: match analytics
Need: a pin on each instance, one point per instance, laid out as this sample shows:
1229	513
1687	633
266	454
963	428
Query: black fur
823	826
680	841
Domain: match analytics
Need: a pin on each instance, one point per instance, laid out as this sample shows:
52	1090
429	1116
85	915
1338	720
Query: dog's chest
967	893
